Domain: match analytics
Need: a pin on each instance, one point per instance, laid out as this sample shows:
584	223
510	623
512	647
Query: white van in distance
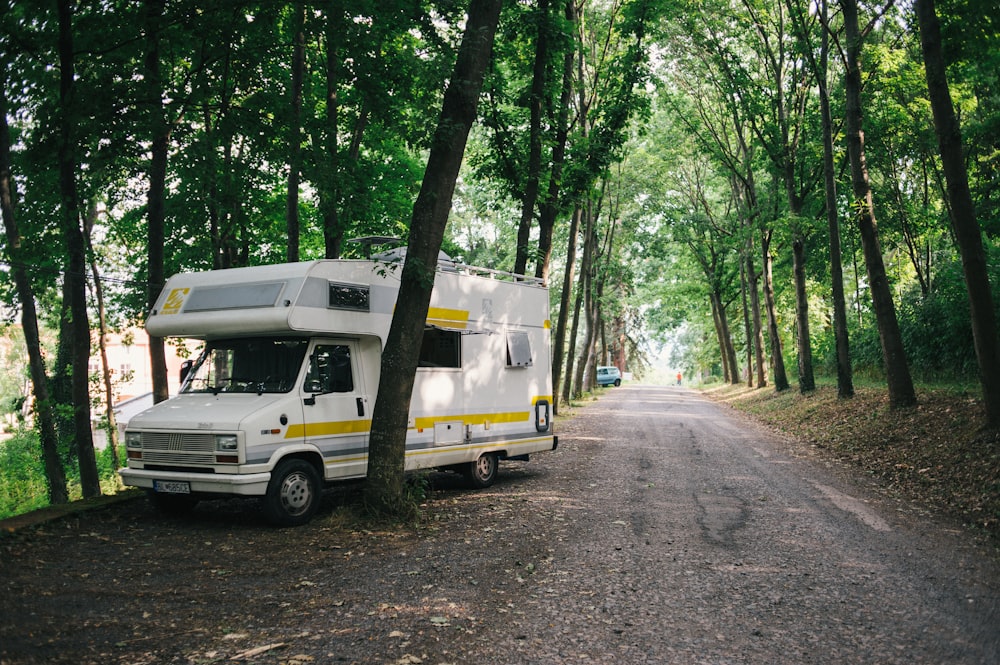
280	400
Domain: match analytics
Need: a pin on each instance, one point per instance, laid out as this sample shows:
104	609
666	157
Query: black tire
293	494
483	472
173	504
618	382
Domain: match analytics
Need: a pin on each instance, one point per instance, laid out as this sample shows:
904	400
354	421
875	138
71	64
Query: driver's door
335	407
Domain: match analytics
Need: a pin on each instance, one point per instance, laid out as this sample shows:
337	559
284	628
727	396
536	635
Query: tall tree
551	201
54	473
898	379
781	134
559	355
295	129
76	271
963	211
534	166
159	134
820	66
387	449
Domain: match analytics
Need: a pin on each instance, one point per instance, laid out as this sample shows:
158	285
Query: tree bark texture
76	272
899	382
295	131
807	381
159	133
753	282
550	206
535	97
774	336
571	381
329	191
963	212
387	446
587	298
559	343
845	374
747	327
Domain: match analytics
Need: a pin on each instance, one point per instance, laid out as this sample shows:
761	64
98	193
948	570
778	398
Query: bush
22	474
23	484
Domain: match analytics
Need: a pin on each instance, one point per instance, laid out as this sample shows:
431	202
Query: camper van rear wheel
293	494
483	472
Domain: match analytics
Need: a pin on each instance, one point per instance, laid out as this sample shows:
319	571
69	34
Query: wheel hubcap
295	493
484	466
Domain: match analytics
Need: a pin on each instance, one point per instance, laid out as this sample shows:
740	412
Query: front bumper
254	484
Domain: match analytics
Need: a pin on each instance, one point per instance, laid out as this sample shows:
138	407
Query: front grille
178	442
158	457
178	448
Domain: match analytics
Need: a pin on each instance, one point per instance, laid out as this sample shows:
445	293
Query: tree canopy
745	185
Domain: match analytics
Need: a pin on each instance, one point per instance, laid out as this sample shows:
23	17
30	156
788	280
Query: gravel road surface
665	529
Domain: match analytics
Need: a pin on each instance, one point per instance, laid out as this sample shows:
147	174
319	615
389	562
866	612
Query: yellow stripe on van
472	419
448	318
328	428
425	422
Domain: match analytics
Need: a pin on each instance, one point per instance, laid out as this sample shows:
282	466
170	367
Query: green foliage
22	474
23	485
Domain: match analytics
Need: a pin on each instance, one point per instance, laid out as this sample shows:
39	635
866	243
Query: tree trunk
550	207
963	212
783	153
584	376
744	191
900	385
571	380
717	324
54	473
559	345
159	132
330	187
747	327
753	279
730	369
102	337
774	336
727	335
295	131
535	97
845	374
75	277
807	381
387	447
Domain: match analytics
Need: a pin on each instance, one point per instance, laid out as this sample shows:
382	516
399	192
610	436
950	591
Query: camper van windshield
251	365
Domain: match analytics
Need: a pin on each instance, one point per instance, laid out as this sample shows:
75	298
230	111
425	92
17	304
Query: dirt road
665	529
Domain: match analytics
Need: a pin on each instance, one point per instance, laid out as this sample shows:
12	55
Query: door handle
361	406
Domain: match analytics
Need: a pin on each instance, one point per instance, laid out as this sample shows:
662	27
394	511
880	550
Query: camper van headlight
133	439
226	443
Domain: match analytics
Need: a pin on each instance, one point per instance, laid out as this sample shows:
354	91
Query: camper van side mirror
185	369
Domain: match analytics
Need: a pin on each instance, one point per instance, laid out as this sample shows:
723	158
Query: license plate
172	486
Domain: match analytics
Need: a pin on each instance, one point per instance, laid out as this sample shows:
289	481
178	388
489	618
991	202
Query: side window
330	370
440	348
518	349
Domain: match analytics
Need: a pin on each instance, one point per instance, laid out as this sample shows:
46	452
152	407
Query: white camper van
280	401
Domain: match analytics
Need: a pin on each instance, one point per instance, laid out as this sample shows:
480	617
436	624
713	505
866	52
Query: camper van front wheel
483	472
293	494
